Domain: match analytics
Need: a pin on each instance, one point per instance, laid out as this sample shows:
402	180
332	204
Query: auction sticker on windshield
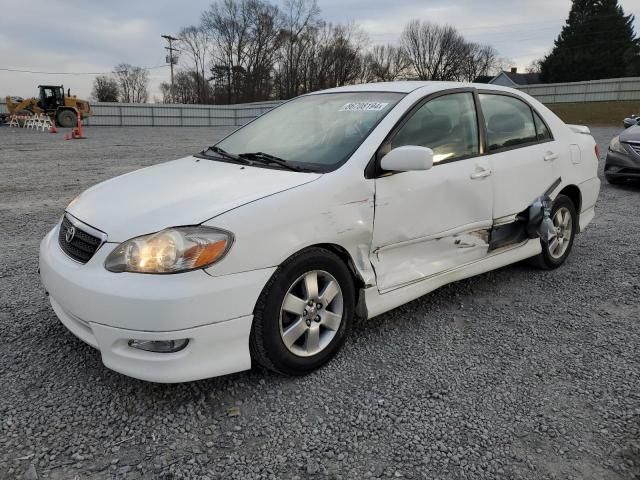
363	107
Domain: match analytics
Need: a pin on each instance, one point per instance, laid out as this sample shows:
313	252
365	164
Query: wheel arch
573	192
343	254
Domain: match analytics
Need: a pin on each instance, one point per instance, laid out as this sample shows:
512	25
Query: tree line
254	50
127	84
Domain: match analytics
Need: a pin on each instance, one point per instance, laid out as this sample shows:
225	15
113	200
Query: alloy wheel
311	313
564	230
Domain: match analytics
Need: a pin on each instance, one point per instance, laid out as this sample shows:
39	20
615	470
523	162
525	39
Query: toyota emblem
70	233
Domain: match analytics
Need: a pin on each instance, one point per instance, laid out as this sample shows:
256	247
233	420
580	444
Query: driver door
428	222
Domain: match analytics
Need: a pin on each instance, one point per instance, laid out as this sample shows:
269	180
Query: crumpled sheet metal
540	223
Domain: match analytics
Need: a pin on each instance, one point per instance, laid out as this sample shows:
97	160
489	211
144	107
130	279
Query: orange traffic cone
68	136
53	128
77	132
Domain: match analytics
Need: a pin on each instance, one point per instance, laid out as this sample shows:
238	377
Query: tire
279	316
553	256
67	119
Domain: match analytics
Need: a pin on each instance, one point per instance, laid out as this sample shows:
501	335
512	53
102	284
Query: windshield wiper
224	153
267	158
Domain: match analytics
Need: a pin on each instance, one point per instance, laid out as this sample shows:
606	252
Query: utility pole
171	60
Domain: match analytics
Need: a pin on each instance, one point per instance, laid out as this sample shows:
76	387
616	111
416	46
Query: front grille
635	147
80	245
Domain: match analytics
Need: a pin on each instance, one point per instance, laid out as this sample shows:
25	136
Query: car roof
409	86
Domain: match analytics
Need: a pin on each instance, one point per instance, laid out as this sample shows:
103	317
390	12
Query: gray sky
81	36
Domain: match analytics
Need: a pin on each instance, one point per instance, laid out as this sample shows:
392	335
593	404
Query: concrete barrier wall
609	90
165	115
172	115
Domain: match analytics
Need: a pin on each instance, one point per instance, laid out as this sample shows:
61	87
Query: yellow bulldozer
61	108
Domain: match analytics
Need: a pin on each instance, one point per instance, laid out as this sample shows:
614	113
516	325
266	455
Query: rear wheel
67	119
303	314
565	222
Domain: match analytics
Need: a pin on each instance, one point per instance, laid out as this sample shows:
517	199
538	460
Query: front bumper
106	310
622	165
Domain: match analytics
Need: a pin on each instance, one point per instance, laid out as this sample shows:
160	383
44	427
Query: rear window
509	121
542	131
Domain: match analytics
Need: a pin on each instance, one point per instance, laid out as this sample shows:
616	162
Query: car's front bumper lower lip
107	310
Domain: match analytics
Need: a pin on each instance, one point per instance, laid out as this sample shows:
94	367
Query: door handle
550	157
485	172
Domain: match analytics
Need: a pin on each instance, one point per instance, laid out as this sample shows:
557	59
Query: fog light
159	346
613	169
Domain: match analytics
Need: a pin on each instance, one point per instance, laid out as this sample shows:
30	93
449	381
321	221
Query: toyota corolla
348	202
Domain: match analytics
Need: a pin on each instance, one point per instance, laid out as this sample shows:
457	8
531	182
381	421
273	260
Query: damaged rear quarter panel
580	166
331	210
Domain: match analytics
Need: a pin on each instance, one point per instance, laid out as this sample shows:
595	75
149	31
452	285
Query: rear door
524	156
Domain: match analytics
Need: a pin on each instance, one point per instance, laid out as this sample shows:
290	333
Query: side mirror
408	158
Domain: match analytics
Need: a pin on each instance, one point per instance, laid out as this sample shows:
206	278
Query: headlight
616	146
170	251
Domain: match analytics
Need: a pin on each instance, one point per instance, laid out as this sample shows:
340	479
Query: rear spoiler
580	129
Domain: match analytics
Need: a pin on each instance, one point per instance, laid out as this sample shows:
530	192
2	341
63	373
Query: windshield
318	132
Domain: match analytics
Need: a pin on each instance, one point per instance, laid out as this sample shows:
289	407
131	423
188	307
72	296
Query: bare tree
265	22
195	43
501	64
480	60
165	89
436	52
386	63
227	22
299	30
105	89
133	82
535	66
246	36
186	88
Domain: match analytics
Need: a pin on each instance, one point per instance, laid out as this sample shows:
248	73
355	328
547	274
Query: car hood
631	134
181	192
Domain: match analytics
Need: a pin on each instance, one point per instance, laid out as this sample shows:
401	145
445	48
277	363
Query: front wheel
67	119
303	314
565	222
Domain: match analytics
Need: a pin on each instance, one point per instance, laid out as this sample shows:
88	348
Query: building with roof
510	79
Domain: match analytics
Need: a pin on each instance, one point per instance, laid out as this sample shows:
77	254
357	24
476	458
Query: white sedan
341	203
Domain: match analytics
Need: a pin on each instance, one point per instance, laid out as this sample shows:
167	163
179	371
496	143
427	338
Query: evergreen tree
597	41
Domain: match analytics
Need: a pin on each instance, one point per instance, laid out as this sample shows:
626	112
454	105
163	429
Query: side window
447	125
542	131
509	121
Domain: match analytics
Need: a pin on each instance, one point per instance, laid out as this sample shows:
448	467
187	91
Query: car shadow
631	185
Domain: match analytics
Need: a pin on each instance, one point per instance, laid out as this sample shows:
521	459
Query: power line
5	69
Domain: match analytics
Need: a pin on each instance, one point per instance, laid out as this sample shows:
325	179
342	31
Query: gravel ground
517	373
